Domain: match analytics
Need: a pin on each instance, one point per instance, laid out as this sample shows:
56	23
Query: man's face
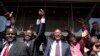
57	34
10	34
95	25
28	35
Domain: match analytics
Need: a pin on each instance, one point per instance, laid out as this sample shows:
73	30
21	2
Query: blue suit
65	47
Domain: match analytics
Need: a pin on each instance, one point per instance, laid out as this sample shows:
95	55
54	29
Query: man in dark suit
57	45
95	31
29	39
40	30
12	47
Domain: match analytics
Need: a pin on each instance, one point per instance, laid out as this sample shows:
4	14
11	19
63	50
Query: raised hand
10	15
41	13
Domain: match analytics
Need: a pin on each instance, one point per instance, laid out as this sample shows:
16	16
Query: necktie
57	49
6	50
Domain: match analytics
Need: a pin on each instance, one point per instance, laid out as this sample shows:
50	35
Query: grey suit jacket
18	49
65	48
32	48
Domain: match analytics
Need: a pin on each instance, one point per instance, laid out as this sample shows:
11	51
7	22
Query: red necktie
57	49
6	50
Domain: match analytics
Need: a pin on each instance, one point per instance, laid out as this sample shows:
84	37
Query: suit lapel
64	47
13	48
50	41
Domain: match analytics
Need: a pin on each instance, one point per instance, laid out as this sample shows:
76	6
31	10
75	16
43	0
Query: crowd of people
88	44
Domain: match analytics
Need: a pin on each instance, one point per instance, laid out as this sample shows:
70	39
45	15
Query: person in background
95	31
28	37
85	35
75	44
10	20
31	27
94	47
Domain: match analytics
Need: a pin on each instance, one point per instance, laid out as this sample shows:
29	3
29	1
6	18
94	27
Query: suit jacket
0	45
18	49
32	48
92	33
40	38
40	31
40	28
65	47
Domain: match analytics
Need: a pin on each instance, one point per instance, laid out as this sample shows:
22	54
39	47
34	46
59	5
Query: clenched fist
41	13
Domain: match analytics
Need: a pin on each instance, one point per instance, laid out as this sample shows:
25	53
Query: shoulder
20	44
33	41
42	20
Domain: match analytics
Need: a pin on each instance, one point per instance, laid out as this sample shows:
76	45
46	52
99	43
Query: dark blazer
65	47
40	31
40	38
32	48
18	49
92	33
40	28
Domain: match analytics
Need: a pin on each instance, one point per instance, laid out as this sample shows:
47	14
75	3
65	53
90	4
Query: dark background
58	12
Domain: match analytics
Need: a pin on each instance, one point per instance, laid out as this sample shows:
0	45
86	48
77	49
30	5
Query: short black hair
12	29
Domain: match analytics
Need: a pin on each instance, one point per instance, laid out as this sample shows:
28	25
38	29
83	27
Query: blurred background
59	13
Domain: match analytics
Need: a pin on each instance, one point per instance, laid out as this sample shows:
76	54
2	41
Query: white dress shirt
27	43
53	48
2	52
37	21
98	54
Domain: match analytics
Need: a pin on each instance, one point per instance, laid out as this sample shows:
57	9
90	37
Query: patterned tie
6	50
57	49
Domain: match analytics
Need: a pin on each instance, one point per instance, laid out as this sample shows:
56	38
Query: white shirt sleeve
42	20
37	22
